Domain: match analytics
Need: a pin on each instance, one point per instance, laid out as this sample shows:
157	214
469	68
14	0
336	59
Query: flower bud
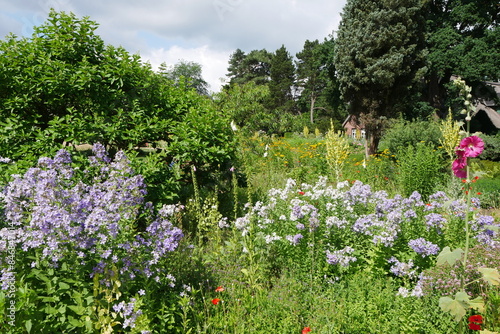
468	118
463	111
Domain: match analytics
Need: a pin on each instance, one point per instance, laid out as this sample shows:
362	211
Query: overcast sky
203	31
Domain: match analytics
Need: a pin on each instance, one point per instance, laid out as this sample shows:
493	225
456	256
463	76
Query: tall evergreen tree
282	76
379	59
254	66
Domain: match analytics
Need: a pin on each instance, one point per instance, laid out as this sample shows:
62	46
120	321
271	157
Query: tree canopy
379	59
187	71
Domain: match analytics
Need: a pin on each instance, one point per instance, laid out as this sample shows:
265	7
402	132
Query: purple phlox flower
486	235
435	220
410	214
458	208
359	193
294	239
416	198
363	224
423	247
402	269
341	257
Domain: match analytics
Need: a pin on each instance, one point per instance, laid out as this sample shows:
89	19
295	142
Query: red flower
219	289
301	193
474	327
476	318
216	301
306	330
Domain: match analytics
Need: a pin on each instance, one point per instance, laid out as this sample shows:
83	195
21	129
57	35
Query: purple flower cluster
423	247
341	257
402	269
435	221
128	312
92	218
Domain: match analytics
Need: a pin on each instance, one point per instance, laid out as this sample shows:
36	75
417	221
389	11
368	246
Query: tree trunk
311	111
371	143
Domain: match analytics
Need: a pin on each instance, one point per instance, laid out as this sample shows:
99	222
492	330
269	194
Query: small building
486	117
353	128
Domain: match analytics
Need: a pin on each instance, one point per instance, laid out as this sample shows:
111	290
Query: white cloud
203	31
214	63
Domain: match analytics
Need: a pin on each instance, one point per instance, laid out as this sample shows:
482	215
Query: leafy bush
403	134
491	147
490	192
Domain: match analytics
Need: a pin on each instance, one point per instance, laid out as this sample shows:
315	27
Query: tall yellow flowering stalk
451	135
337	150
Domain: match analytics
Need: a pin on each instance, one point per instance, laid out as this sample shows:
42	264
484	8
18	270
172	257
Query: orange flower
306	330
219	289
216	301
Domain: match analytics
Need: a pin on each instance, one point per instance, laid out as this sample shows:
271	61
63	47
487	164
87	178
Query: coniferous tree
379	60
316	78
254	66
282	75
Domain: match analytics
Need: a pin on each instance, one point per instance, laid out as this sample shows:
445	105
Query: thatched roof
492	114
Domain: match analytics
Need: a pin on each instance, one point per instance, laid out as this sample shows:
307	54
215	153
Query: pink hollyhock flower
472	146
458	167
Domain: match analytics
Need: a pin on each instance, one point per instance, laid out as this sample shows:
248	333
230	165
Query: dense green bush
77	90
403	134
491	147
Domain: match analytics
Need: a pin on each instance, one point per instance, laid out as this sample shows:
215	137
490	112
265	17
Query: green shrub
403	134
491	147
420	169
489	190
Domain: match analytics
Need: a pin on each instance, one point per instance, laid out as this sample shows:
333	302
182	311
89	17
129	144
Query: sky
203	31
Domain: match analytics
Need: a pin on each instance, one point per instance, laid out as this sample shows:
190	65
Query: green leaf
454	307
447	256
477	304
80	310
490	275
63	286
28	325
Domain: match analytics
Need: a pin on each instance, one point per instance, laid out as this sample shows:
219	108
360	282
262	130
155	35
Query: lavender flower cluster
91	218
341	257
351	218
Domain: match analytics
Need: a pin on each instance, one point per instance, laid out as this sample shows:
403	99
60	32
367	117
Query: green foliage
282	75
491	147
403	134
377	75
76	90
186	71
251	67
420	169
490	192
